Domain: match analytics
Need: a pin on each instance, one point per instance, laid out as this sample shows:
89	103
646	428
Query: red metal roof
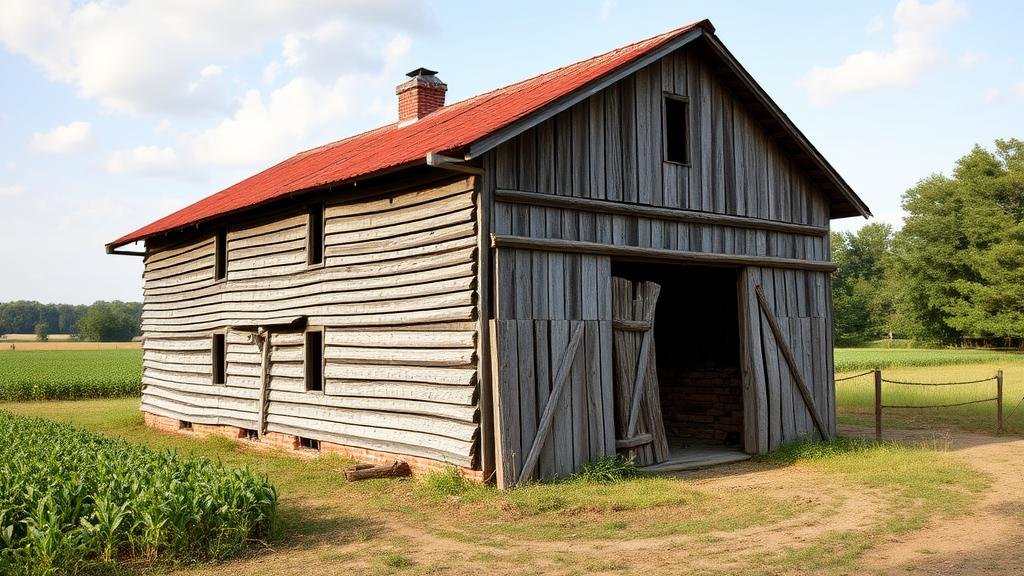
446	130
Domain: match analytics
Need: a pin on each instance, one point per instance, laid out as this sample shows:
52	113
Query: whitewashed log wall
396	297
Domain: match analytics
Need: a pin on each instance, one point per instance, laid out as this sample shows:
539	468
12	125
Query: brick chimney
419	96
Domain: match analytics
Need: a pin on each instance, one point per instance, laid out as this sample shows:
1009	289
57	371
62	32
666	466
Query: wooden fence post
999	401
878	404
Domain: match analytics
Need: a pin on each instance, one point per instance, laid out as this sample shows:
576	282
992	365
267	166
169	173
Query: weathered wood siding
595	173
801	303
610	148
396	296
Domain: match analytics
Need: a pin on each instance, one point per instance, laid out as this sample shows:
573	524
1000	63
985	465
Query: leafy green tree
861	305
110	322
42	332
960	255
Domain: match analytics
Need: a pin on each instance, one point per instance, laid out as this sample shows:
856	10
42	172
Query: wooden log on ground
397	469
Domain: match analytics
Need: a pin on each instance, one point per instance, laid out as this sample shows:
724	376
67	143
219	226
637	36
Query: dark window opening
250	434
309	444
219	359
220	266
184	425
315	235
676	130
314	361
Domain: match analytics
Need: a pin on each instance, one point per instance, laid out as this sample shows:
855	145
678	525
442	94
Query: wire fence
880	406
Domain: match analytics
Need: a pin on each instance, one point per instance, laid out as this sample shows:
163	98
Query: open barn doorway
697	344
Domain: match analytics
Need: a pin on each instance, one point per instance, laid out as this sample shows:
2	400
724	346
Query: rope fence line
993	399
905	383
879	380
854	376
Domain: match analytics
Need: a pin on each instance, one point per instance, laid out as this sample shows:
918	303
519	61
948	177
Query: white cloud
11	191
993	95
605	11
1018	88
970	58
145	161
142	55
63	138
211	70
270	72
266	129
913	53
876	25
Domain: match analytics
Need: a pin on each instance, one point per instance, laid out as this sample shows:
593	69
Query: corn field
69	374
72	501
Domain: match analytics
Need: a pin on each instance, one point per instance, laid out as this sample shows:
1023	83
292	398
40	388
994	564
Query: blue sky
113	114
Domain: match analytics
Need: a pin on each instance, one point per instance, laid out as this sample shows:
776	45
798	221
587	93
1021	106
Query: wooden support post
544	427
999	401
263	340
878	404
794	368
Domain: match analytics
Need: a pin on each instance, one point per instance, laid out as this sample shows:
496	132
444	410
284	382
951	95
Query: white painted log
403	356
461	395
466	242
405	437
442	410
410	339
364	418
428	375
436	220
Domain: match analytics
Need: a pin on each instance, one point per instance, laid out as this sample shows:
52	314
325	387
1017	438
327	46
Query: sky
116	113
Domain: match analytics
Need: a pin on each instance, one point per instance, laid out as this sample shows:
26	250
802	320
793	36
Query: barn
629	254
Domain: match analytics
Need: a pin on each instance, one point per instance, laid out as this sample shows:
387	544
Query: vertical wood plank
528	411
508	448
613	151
595	133
771	365
561	430
627	124
594	392
542	372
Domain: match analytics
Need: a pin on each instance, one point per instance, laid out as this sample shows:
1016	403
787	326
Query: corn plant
70	500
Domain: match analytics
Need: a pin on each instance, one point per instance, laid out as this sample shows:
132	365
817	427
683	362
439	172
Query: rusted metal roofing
451	130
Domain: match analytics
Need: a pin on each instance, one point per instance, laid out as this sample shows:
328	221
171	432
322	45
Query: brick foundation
289	443
704	404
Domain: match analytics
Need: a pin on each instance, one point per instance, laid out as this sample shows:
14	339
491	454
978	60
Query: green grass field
855	397
68	374
860	359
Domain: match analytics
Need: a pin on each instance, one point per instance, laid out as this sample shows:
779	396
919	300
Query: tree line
954	273
100	322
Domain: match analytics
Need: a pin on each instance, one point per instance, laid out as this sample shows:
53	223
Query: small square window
676	130
314	361
219	359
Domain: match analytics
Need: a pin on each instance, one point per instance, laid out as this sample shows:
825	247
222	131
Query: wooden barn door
640	430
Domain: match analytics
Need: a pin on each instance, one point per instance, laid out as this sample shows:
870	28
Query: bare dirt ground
988	541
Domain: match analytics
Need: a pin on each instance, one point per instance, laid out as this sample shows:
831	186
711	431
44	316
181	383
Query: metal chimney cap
421	72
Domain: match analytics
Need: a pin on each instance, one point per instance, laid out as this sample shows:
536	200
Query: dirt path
988	541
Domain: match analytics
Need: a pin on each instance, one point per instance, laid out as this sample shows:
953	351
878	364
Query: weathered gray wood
575	247
550	408
507	438
662	213
794	366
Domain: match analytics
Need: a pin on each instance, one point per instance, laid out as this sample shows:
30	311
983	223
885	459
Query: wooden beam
454	164
656	254
546	419
263	340
798	378
634	441
670	214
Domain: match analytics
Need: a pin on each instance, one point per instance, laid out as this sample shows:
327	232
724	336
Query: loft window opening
315	235
220	267
676	130
219	360
314	361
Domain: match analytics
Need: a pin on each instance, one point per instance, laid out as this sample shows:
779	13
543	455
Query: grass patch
69	374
